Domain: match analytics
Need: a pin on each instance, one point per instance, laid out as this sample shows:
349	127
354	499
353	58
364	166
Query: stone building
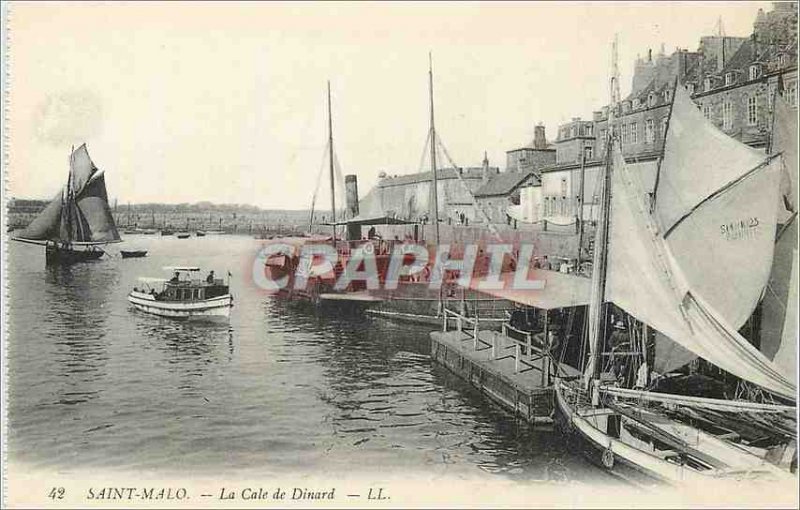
409	196
531	157
503	190
732	79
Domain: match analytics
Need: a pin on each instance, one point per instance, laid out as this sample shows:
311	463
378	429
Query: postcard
399	254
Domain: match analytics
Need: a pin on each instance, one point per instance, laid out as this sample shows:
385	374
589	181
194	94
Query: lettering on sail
743	229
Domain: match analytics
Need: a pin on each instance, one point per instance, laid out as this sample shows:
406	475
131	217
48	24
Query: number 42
57	493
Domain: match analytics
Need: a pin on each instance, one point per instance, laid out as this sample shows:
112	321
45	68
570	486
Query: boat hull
219	306
133	254
643	467
66	256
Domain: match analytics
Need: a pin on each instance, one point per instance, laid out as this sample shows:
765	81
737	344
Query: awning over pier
559	290
373	220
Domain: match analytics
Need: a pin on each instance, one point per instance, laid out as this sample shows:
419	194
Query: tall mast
330	157
68	208
434	182
579	218
599	264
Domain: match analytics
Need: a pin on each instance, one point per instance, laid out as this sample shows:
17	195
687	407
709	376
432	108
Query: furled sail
81	215
716	209
646	280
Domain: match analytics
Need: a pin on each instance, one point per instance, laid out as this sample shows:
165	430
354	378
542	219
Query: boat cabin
185	285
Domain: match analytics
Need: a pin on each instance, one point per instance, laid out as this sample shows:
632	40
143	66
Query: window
624	134
664	122
651	99
771	94
690	88
563	187
728	78
707	84
589	130
707	110
574	131
752	110
626	106
636	103
649	134
727	114
754	71
602	136
589	152
634	135
668	95
790	93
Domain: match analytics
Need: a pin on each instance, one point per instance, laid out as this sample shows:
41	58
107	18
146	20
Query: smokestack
485	173
351	203
539	139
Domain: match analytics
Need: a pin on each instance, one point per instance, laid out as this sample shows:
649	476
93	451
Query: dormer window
784	59
754	71
728	78
651	99
707	84
626	106
636	103
690	88
667	95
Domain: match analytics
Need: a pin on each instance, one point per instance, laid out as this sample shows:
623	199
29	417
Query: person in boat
210	277
371	233
175	278
617	342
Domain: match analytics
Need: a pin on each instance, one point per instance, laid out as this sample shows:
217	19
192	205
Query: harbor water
275	390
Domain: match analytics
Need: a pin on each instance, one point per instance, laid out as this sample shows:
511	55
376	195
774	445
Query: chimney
485	168
351	204
650	55
539	139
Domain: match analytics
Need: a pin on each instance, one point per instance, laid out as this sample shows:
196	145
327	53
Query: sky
226	102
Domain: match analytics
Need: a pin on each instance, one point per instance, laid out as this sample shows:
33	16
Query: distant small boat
130	231
131	254
183	297
183	235
150	231
200	233
167	232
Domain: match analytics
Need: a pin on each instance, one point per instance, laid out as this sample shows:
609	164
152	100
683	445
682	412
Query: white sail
645	279
784	140
786	357
719	230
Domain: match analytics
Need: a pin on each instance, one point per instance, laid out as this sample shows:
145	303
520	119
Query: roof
559	291
441	173
503	183
375	220
152	279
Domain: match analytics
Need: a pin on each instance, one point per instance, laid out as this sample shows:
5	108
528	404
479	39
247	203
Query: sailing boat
78	220
692	266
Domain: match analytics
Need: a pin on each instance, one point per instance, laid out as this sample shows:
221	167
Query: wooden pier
514	371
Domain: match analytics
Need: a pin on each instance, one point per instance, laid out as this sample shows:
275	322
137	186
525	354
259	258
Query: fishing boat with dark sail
682	267
78	221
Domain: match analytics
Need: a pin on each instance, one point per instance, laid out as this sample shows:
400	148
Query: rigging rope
316	187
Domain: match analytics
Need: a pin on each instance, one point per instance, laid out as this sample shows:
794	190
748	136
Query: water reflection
76	326
188	347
